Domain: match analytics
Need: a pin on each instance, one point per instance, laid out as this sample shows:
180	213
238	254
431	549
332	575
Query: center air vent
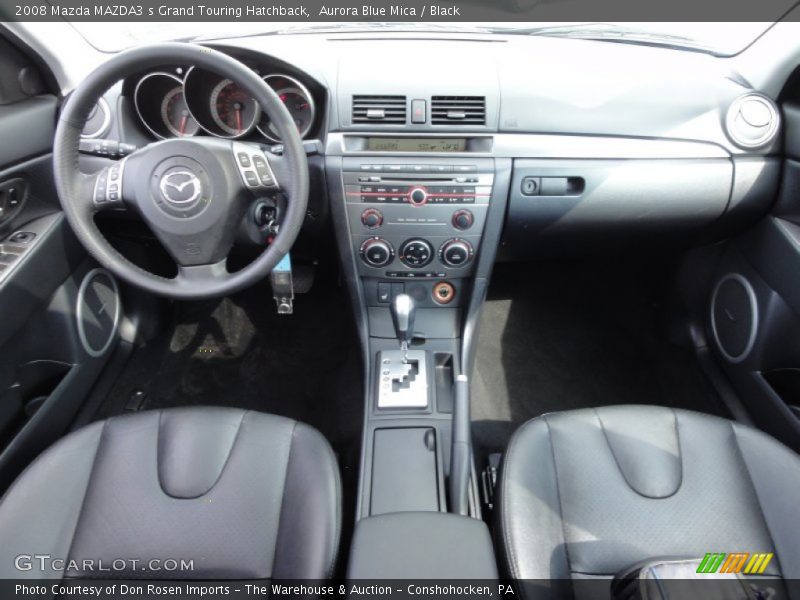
387	110
458	110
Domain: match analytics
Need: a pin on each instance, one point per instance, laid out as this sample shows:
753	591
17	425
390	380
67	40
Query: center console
417	224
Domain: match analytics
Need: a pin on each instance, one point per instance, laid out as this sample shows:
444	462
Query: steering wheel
192	192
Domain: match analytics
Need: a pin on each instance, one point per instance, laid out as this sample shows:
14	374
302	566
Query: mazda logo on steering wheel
180	187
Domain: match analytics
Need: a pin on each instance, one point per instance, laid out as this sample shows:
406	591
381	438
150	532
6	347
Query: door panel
46	366
754	304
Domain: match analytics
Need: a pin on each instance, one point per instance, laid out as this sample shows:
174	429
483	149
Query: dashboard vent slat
458	110
377	110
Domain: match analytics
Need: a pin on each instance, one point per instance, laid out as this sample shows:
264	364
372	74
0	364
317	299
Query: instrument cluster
186	102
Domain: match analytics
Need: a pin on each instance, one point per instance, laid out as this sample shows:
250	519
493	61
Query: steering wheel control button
416	253
418	197
372	218
254	167
108	185
251	178
463	219
455	252
263	171
377	252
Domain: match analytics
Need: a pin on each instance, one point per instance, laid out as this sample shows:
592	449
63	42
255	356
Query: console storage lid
421	545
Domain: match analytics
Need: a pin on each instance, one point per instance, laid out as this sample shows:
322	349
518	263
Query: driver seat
235	494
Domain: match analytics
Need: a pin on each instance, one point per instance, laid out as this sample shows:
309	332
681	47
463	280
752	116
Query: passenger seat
589	493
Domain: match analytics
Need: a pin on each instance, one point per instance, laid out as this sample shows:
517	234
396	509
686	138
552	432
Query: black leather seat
587	493
242	495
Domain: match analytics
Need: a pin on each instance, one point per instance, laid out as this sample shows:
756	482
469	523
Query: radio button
372	218
418	197
463	219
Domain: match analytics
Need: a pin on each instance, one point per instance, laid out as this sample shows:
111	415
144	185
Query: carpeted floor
562	335
238	352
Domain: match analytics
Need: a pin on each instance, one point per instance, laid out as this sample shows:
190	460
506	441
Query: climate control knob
377	252
463	219
416	253
372	218
456	252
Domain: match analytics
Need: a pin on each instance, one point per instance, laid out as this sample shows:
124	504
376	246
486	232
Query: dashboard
600	141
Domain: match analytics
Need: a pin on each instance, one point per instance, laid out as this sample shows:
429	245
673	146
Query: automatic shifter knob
403	311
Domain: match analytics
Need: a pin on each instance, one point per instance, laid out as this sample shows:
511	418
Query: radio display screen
385	144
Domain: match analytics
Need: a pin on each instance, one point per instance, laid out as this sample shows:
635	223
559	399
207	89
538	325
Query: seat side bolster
34	521
774	471
529	507
311	513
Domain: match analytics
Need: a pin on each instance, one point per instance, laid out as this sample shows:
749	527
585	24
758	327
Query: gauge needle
184	119
238	108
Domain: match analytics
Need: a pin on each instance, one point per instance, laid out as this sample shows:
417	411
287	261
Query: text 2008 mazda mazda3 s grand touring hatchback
399	309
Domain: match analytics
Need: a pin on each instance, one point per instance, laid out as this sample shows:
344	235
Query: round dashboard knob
416	253
455	252
418	197
463	219
377	252
372	218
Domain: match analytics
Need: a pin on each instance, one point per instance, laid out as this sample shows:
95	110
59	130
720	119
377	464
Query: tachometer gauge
176	114
232	109
298	102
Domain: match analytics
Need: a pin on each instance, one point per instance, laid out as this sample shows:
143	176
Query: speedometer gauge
175	114
297	100
232	109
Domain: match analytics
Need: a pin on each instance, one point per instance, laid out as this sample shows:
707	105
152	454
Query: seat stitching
230	452
283	498
558	493
619	466
755	492
338	532
86	491
506	531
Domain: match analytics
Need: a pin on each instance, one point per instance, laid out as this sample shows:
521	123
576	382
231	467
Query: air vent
386	110
752	121
458	110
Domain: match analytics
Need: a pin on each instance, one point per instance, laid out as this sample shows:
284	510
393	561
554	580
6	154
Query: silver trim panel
511	145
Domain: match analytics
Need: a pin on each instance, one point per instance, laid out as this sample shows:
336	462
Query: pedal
489	480
303	278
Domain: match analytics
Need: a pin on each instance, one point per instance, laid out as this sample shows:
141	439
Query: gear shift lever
403	311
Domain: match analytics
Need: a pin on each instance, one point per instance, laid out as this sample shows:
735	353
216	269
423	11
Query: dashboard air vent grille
458	110
386	110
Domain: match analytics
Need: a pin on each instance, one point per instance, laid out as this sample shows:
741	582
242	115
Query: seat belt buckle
282	286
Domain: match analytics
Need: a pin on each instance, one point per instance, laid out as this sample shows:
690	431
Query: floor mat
238	352
563	335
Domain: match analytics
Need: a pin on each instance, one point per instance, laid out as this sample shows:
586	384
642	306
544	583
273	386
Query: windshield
717	38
